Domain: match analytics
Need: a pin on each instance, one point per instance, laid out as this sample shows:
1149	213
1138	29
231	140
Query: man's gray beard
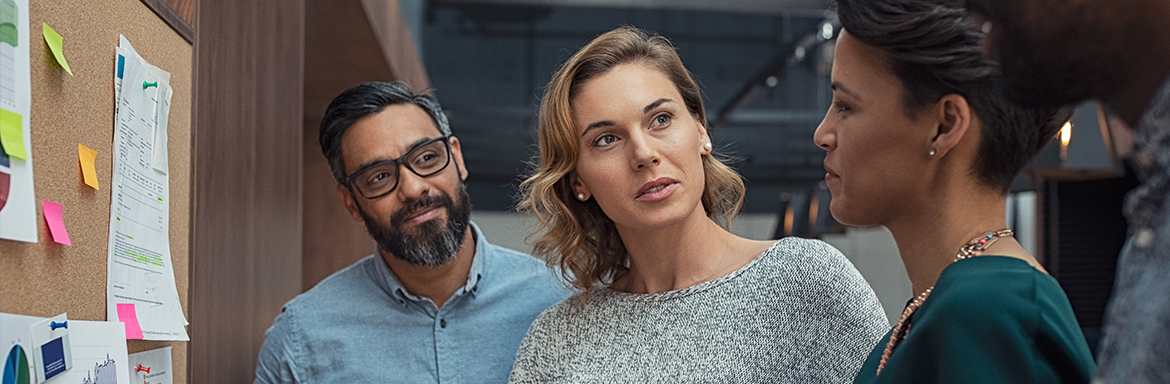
434	243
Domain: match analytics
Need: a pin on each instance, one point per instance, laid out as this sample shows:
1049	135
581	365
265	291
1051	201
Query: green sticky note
12	134
54	41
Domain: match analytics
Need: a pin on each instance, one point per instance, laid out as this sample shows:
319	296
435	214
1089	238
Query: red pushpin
140	368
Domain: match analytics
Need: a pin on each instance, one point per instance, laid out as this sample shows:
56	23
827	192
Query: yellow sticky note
86	156
12	134
54	40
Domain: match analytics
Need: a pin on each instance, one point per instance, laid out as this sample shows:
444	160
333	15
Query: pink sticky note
56	224
126	314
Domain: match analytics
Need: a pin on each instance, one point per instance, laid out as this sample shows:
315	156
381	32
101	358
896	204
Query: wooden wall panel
332	240
377	46
184	8
179	14
246	232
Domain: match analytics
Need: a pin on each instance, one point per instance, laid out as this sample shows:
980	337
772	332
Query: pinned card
56	44
151	367
86	156
56	222
128	315
52	354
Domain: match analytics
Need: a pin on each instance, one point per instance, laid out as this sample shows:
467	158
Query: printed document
140	268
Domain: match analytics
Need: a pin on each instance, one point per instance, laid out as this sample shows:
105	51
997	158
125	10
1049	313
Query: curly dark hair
934	49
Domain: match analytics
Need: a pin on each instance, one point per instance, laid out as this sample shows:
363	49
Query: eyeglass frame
400	161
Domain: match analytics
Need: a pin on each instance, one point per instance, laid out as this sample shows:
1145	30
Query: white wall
874	253
506	229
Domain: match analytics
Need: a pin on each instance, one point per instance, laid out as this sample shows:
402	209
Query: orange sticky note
126	314
56	224
86	156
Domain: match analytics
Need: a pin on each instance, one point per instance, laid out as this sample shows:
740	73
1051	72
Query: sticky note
54	40
56	224
86	156
126	314
12	134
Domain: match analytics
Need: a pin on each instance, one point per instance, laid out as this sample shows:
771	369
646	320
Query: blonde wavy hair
577	236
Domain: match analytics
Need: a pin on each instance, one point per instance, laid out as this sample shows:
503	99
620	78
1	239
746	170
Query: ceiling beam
785	58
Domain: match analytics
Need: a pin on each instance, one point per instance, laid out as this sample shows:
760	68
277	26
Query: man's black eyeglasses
425	159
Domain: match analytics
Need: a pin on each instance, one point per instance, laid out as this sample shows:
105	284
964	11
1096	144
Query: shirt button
1143	238
443	323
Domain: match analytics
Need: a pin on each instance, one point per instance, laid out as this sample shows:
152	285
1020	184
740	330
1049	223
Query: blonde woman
631	198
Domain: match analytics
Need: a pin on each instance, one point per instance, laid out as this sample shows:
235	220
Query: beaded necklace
973	248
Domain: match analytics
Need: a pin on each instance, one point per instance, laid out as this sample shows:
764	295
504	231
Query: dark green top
989	319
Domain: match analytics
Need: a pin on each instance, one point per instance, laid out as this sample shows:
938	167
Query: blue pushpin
146	85
53	325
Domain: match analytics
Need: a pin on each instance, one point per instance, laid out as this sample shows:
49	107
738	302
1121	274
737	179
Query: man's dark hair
361	101
933	48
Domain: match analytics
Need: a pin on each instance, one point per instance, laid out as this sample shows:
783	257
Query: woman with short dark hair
921	140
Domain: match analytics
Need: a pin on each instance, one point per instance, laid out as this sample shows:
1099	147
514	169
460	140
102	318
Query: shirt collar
392	285
476	272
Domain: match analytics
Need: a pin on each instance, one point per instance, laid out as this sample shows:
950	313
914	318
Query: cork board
44	278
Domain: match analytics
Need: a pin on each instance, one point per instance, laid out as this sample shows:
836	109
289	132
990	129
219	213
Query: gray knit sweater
798	313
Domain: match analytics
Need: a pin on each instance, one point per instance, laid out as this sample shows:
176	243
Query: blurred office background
763	67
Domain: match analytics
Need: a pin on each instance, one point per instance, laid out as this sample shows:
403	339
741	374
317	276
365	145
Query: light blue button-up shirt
360	325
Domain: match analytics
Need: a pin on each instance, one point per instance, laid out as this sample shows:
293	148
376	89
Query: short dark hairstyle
934	49
364	100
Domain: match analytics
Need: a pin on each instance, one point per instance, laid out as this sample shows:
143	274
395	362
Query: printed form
18	205
140	269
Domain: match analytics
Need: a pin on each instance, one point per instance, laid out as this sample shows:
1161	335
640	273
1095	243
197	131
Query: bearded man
435	302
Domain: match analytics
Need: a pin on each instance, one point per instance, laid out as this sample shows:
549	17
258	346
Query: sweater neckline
687	291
